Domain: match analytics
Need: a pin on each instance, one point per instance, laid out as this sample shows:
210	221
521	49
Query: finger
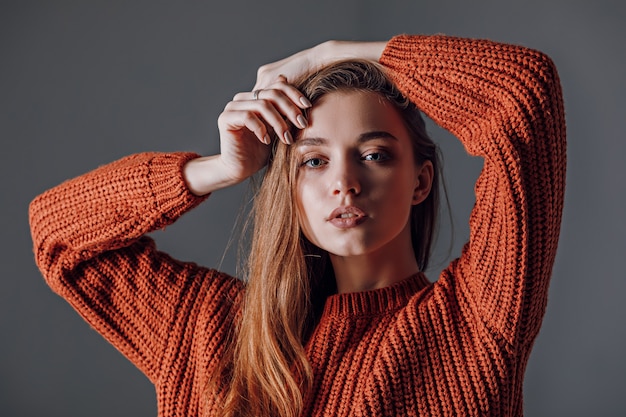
269	113
285	104
292	92
234	120
289	90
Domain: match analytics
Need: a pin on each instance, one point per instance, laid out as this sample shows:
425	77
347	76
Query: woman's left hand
309	60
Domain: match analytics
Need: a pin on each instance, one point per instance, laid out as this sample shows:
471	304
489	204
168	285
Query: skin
244	141
356	159
374	252
245	122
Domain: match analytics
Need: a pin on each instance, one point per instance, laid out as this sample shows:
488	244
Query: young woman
335	316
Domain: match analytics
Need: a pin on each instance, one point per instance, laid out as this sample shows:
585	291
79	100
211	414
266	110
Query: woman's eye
314	162
376	157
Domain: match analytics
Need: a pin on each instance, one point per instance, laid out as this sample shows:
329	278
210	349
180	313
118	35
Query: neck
377	269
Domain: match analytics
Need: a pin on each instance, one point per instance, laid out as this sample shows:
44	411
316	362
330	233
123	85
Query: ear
423	183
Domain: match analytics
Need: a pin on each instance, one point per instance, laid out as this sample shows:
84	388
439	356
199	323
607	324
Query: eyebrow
363	137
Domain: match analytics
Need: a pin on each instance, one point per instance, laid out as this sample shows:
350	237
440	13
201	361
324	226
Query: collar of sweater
375	302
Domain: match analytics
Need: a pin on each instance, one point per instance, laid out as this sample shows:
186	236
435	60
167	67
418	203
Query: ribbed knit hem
378	301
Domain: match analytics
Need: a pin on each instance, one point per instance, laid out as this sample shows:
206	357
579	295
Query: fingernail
288	138
305	102
266	139
301	121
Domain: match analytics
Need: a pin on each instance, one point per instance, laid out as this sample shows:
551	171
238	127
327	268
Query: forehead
351	113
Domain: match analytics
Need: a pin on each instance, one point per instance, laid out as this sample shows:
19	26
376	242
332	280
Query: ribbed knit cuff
402	48
169	189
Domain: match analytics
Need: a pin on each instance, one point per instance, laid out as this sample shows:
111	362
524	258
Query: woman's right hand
246	128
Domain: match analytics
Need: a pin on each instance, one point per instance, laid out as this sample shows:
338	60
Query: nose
345	179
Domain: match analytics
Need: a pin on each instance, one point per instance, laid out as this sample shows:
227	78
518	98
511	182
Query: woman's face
357	178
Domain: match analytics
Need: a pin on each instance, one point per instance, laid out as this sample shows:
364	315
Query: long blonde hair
265	371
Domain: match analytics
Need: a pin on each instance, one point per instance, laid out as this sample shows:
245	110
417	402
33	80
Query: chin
346	251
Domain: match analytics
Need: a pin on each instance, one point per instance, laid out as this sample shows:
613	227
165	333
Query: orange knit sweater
457	347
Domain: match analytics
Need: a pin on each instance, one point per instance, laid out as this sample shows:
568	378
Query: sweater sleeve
90	245
504	103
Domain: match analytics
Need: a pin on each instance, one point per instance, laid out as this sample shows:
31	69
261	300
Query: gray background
84	83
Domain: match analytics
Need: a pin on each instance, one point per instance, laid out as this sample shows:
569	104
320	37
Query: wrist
333	50
206	174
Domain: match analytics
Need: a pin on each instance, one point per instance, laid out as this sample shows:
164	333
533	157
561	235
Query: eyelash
383	157
307	162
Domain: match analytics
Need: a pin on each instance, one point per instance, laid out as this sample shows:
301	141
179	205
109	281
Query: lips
346	217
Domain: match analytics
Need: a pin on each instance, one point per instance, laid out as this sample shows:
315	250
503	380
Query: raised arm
89	245
89	232
504	103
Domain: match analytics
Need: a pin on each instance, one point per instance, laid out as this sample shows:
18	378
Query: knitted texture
457	347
